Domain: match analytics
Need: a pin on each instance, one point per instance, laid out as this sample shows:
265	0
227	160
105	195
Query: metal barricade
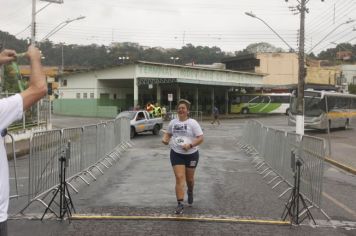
90	146
45	150
274	149
312	154
110	135
14	190
74	136
291	145
196	115
101	139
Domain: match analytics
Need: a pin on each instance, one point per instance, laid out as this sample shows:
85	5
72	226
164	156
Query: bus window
256	99
353	103
331	103
313	106
245	99
236	101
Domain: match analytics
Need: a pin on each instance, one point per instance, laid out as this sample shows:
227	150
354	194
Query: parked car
140	121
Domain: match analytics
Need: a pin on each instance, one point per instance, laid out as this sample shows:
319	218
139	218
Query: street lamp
61	26
346	22
33	19
299	124
264	22
174	59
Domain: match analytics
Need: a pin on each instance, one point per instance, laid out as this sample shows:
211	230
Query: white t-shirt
183	132
11	109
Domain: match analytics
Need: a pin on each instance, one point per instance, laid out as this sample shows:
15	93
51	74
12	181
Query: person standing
11	109
150	108
184	135
216	115
164	112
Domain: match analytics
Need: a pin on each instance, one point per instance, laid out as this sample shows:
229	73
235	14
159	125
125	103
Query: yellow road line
341	165
336	202
180	218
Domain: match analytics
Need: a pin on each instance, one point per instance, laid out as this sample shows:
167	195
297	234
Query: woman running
184	135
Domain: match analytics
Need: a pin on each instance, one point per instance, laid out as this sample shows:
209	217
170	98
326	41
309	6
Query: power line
324	21
320	19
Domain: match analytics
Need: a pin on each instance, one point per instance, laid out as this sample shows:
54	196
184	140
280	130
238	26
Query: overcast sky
174	23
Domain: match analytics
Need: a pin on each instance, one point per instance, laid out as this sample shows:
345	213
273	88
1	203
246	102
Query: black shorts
3	228
189	160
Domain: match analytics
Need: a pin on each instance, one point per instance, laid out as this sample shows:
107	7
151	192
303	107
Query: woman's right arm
166	138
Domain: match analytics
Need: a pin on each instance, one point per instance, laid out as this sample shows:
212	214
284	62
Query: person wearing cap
184	134
11	109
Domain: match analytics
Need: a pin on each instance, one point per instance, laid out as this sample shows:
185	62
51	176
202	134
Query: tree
352	88
261	47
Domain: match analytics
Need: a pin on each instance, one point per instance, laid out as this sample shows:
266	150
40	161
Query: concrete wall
85	108
113	89
322	75
90	82
282	68
78	83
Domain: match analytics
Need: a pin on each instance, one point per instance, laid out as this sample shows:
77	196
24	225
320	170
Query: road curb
181	218
341	165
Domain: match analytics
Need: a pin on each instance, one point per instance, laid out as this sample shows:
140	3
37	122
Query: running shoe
190	197
179	209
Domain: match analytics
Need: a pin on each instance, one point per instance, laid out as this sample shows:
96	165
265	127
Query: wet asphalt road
141	183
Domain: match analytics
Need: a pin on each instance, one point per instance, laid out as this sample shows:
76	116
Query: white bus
325	109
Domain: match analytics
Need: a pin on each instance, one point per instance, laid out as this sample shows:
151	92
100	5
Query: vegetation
98	56
352	88
101	56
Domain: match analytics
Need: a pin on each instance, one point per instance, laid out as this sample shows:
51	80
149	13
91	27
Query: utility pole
33	18
301	74
33	23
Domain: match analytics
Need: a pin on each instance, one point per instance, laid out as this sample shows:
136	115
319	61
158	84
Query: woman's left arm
198	140
195	142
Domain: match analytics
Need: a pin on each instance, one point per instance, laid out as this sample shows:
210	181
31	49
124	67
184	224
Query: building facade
281	70
104	92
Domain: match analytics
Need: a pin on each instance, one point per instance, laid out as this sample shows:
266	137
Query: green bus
263	103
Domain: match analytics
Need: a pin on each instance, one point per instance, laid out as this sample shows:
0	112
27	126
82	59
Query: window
64	82
78	95
140	116
354	80
91	95
105	96
246	98
313	106
85	95
353	103
236	101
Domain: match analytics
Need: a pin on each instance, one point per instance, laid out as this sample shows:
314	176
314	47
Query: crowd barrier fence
272	150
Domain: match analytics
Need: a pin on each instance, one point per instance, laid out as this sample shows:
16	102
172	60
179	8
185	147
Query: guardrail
272	149
91	147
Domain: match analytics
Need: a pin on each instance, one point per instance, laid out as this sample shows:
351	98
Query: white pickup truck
140	121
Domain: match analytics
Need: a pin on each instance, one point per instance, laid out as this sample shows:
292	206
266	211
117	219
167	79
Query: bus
323	110
261	103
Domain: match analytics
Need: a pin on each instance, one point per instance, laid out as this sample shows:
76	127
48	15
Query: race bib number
180	140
